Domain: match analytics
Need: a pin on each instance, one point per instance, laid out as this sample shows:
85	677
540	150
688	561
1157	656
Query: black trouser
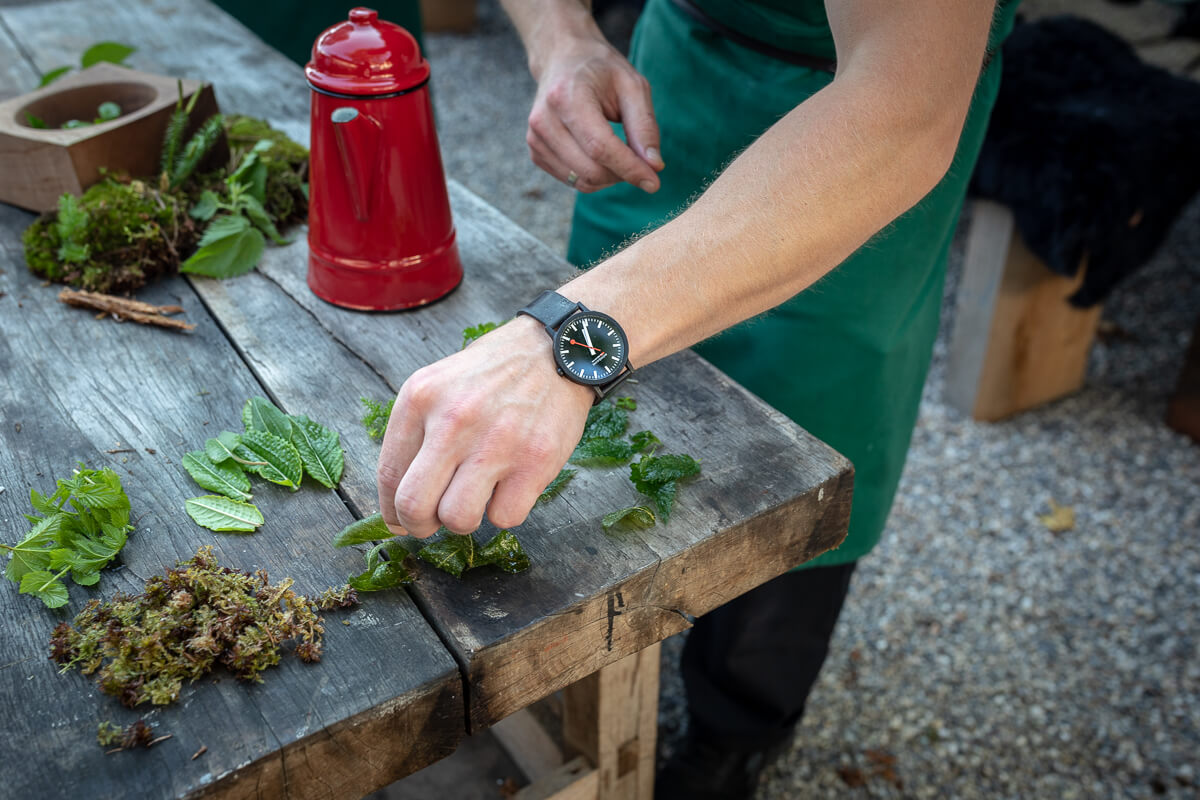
749	665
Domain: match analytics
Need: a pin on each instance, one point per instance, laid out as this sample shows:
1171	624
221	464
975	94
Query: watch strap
551	309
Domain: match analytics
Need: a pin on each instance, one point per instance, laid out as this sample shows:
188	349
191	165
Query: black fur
1095	151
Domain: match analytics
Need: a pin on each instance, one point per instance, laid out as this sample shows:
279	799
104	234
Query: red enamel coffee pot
380	235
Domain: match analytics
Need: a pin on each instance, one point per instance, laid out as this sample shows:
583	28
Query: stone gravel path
980	654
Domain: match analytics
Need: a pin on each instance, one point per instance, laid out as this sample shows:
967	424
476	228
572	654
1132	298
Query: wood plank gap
20	48
447	641
528	744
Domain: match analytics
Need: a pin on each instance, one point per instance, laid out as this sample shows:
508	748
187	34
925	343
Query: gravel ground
979	655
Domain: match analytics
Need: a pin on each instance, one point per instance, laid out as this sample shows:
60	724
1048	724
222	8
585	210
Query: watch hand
587	337
588	346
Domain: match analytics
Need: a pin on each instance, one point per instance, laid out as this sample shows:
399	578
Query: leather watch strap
551	308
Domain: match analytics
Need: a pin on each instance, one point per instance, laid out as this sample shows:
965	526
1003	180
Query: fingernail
653	157
397	530
647	185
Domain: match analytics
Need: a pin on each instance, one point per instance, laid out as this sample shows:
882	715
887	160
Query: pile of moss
123	233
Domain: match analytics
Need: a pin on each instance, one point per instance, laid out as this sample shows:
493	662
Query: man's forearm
544	24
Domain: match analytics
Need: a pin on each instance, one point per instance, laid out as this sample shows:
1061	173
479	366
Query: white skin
482	432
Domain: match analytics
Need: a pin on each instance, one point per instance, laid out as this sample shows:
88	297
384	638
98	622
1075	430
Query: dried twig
203	749
125	308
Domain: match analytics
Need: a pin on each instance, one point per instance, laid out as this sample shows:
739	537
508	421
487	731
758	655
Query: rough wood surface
575	780
1017	342
529	745
611	718
384	701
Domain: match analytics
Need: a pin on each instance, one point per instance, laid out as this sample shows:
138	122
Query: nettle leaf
367	529
632	517
605	421
228	257
602	453
112	52
206	207
664	497
320	450
645	442
657	477
259	216
221	448
226	478
383	573
45	586
219	513
43	504
557	485
271	457
451	553
504	552
261	414
376	418
25	559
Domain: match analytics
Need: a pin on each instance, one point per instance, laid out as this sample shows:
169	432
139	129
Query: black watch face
590	348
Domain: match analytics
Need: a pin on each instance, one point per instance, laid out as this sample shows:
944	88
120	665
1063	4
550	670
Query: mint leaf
226	478
602	453
632	517
45	586
557	485
504	552
367	529
271	457
219	513
221	448
112	52
261	414
319	449
451	553
228	257
605	421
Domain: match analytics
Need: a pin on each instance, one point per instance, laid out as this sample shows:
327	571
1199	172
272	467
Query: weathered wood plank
385	700
17	75
528	744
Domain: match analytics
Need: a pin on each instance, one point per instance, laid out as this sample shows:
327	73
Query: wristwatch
589	347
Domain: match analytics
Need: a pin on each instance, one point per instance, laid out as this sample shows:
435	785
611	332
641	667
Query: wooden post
610	728
1017	342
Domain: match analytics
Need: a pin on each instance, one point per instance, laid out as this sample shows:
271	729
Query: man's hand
583	84
483	430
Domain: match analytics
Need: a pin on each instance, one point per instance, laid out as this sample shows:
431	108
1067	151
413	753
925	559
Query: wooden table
413	671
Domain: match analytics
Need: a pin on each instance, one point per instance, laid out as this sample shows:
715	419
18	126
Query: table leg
610	728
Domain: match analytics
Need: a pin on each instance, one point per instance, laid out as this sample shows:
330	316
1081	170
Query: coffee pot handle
357	136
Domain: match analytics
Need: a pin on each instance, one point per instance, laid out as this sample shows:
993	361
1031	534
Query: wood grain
385	700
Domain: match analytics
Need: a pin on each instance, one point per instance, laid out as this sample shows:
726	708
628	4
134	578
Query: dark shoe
703	771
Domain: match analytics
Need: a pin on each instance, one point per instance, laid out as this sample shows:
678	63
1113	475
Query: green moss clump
133	234
287	166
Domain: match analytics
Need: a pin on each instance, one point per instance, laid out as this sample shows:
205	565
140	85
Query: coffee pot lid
366	56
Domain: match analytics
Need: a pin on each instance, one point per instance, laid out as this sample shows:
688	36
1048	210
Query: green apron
860	340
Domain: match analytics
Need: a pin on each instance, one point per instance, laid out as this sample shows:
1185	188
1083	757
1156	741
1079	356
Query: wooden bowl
39	164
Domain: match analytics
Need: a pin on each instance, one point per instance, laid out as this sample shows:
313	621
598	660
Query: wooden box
40	164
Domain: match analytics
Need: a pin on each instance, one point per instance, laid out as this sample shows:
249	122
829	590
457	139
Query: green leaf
451	553
35	122
645	442
367	529
71	226
602	453
261	414
225	478
99	489
557	485
223	228
261	219
504	552
376	418
41	503
383	573
108	111
112	52
633	517
85	578
664	497
253	181
52	75
605	421
276	459
206	207
475	331
219	513
626	403
651	470
25	559
221	448
229	257
45	586
72	124
319	449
